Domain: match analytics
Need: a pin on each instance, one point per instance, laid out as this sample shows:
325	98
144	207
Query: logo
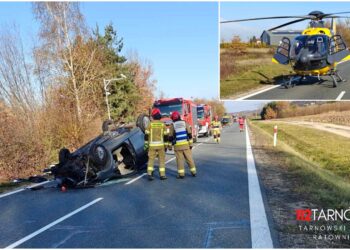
303	214
324	224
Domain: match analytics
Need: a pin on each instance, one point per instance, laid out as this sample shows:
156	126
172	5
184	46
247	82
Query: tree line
284	109
53	95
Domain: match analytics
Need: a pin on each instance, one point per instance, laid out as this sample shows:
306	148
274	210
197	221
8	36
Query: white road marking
260	231
135	179
25	188
32	235
340	96
257	93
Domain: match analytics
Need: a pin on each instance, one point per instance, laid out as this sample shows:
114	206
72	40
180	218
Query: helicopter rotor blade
313	16
289	23
330	14
337	17
264	18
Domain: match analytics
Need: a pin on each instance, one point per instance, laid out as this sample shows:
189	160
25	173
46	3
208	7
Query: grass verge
317	161
243	73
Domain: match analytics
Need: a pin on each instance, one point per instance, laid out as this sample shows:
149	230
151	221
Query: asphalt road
309	89
210	210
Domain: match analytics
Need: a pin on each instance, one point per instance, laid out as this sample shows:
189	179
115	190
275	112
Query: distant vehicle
204	115
116	153
186	108
234	117
226	120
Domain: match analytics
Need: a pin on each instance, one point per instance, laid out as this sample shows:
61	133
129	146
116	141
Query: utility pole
106	83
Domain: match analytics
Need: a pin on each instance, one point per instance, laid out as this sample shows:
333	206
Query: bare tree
16	80
61	25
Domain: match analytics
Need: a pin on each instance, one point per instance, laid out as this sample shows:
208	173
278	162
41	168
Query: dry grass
317	109
334	117
292	182
241	71
320	162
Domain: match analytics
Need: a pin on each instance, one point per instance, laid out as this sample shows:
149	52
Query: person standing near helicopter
216	128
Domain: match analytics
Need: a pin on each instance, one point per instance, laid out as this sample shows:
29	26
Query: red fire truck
186	108
205	116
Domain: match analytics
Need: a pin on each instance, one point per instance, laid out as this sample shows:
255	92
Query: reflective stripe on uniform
193	169
156	143
161	169
181	143
181	171
156	126
180	133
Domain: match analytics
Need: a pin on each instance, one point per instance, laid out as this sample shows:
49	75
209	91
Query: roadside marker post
275	136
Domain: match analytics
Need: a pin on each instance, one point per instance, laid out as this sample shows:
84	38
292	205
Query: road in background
309	89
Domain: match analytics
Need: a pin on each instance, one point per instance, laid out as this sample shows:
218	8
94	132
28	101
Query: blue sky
179	39
240	10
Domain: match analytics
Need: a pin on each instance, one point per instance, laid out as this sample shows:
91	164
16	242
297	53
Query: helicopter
316	52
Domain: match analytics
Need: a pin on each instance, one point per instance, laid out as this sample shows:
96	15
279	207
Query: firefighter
216	126
181	136
241	124
155	142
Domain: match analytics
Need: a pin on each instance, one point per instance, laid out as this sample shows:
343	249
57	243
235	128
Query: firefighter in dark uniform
181	136
216	127
156	139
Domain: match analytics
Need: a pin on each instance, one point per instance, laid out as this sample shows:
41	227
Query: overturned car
118	152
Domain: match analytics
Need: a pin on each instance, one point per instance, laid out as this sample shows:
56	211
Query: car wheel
63	155
98	154
142	122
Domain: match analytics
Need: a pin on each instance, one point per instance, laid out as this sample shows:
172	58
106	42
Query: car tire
142	122
63	155
98	154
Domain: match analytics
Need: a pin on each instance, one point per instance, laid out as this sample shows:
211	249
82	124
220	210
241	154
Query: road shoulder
285	192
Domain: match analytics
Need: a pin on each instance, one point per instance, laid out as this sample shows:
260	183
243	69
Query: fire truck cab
204	115
186	108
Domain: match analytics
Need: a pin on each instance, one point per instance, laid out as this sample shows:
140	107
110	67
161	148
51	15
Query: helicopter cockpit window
283	48
316	44
337	44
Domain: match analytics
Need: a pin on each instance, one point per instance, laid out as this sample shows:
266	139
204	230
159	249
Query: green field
247	71
320	160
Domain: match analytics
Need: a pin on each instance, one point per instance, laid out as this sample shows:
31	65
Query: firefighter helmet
175	116
155	112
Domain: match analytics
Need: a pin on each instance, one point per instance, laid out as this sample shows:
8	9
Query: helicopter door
282	52
337	49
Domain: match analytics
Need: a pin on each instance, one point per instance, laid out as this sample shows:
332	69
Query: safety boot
194	174
163	178
150	177
180	177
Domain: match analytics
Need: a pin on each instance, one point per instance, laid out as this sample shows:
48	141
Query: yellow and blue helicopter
316	52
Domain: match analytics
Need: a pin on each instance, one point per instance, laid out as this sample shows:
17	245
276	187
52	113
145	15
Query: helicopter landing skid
334	74
336	78
291	83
